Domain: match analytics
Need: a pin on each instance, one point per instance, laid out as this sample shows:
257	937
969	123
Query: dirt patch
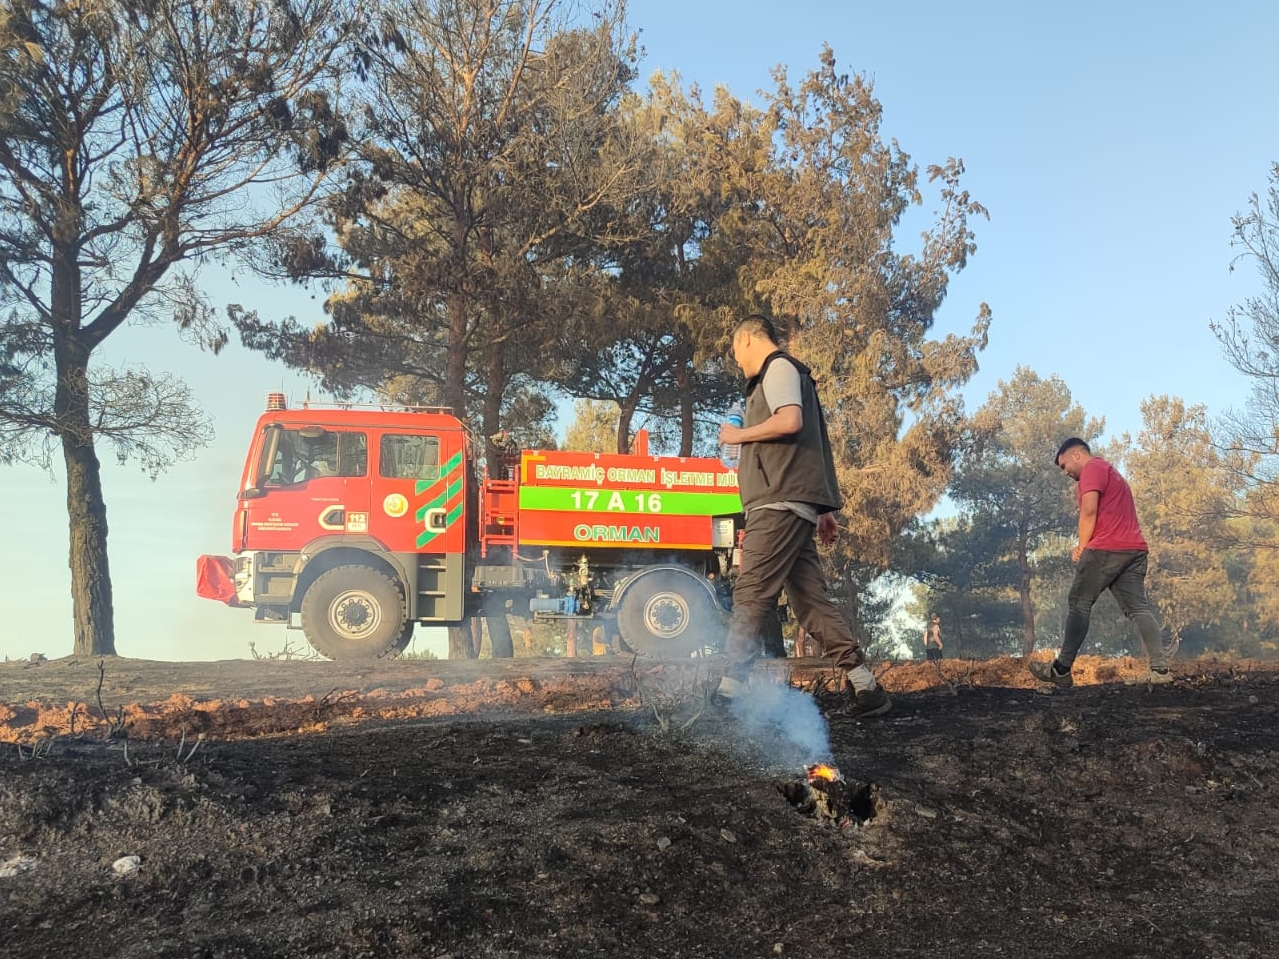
533	808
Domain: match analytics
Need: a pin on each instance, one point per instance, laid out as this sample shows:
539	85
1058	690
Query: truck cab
354	520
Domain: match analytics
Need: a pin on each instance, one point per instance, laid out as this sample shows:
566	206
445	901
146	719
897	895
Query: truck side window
333	454
410	457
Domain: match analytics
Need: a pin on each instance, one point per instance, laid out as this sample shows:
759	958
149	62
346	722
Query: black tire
406	637
355	612
669	613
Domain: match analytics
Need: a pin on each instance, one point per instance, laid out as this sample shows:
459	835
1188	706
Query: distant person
1111	554
932	639
786	477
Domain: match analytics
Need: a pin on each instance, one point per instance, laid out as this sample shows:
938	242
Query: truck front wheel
354	612
668	613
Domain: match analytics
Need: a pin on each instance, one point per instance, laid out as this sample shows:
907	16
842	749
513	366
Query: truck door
419	506
312	482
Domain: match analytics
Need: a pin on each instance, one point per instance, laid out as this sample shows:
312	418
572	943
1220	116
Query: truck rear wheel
355	612
668	613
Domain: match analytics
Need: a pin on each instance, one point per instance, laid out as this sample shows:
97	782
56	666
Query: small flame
823	771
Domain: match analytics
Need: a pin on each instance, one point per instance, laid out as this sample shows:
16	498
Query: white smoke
764	707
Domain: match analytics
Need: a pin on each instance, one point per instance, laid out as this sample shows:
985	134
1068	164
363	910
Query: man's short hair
1069	445
757	325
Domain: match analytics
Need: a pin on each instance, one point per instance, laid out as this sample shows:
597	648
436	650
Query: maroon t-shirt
1117	528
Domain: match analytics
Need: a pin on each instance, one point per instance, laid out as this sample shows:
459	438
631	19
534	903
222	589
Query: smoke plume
768	707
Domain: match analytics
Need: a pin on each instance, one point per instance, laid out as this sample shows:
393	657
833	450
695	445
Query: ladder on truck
499	514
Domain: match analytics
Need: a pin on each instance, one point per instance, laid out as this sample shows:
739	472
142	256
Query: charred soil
539	808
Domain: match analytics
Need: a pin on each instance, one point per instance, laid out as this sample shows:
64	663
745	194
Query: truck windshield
297	454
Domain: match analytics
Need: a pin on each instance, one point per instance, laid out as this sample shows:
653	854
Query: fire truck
355	524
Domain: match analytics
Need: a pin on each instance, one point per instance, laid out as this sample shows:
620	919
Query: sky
1111	142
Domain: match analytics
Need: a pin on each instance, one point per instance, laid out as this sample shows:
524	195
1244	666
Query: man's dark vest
794	468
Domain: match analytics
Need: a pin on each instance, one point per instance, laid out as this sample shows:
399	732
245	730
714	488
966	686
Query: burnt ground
536	808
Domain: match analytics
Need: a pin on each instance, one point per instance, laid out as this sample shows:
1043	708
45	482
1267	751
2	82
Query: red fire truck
359	523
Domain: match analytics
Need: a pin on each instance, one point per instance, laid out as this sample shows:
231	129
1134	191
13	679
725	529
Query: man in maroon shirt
1111	554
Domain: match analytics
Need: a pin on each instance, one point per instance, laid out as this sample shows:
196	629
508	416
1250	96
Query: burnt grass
1102	821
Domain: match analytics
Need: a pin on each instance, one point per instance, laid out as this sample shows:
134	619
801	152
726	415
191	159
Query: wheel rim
666	614
354	614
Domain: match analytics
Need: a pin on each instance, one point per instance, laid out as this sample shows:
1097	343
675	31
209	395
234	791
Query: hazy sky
1111	142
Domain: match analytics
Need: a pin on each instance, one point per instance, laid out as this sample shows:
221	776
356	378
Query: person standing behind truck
932	639
789	492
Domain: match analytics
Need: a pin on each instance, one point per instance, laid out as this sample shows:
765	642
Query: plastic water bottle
731	453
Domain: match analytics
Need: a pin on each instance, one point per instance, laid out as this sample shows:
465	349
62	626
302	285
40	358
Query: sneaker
867	703
1047	673
1151	677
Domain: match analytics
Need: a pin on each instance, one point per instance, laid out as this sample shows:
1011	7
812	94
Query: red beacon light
275	402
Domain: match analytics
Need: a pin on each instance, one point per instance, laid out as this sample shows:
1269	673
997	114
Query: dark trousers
779	552
1124	574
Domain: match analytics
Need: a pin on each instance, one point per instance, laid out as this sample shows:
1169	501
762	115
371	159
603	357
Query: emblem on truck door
396	505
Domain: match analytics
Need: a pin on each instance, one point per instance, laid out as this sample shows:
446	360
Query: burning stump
826	795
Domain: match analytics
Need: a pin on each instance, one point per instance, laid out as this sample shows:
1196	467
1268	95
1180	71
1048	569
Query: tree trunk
625	416
455	370
852	607
1027	606
460	645
93	612
465	638
491	411
683	377
503	646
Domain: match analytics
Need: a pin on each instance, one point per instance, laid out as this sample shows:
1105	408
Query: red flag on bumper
215	579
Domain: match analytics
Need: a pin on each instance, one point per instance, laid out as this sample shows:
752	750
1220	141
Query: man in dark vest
789	492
